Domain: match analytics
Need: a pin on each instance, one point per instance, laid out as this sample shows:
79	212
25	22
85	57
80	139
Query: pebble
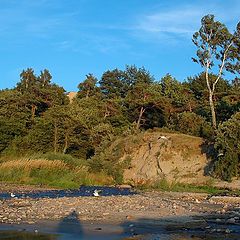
231	220
148	204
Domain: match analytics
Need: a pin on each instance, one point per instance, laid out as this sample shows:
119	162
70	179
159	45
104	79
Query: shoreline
139	214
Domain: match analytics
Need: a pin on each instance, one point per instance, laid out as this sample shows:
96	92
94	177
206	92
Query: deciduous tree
218	50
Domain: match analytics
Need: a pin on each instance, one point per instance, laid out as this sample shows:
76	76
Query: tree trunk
33	110
142	110
214	122
55	144
87	94
189	107
66	142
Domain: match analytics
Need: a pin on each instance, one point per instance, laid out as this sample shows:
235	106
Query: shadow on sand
201	227
71	225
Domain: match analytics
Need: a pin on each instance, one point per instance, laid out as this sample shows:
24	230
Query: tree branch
222	66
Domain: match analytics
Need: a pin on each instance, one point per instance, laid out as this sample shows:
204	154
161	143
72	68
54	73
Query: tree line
36	115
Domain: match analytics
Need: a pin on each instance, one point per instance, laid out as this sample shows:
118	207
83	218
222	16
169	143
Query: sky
72	38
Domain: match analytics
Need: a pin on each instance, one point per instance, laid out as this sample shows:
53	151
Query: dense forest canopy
37	116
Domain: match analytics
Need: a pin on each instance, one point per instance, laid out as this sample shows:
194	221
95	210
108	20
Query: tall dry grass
29	164
55	173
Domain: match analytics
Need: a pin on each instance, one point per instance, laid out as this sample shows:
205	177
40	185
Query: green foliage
14	117
165	185
228	105
108	159
143	98
198	85
192	124
227	164
113	84
36	117
21	110
39	93
217	50
35	141
88	87
108	164
175	91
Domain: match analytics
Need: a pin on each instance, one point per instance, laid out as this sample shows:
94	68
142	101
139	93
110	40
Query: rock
225	199
105	214
124	186
228	231
231	221
197	201
99	229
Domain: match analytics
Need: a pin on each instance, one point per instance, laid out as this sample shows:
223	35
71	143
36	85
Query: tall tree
218	50
112	84
88	87
45	78
179	94
143	93
38	92
27	80
14	117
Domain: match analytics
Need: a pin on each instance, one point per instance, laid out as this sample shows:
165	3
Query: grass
66	158
55	173
164	185
67	172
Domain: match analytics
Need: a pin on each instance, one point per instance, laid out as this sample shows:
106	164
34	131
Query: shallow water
83	191
16	235
142	229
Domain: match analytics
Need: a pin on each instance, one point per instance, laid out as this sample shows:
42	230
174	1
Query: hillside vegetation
109	128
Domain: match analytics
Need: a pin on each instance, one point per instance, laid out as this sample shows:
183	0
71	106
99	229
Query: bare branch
222	65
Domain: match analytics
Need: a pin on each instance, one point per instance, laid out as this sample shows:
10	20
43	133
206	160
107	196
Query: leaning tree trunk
142	110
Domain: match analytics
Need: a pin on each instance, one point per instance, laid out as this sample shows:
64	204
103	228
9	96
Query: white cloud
181	21
175	21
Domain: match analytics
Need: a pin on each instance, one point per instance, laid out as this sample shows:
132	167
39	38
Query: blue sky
72	38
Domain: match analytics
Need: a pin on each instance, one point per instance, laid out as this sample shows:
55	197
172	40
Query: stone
231	220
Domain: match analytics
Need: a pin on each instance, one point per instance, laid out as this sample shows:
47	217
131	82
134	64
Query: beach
146	214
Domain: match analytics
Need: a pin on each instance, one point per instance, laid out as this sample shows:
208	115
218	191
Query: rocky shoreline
173	210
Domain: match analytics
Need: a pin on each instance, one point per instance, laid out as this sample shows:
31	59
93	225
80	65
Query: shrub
227	164
193	124
108	158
